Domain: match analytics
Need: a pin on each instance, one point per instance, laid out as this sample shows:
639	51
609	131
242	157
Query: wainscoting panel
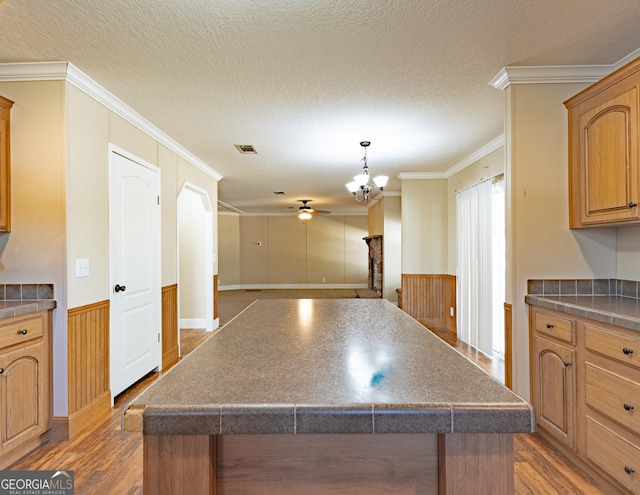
88	365
429	298
170	348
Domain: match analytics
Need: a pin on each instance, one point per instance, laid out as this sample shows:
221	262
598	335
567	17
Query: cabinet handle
629	470
22	332
628	407
1	371
567	363
632	204
626	350
549	325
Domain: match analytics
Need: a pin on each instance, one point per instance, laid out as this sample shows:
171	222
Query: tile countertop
327	366
9	309
614	310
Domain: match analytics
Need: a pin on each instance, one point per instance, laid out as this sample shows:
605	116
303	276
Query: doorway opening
195	259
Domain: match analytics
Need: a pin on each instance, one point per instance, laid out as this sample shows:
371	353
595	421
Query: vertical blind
480	239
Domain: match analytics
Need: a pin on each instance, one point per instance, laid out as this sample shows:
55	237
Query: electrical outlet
82	268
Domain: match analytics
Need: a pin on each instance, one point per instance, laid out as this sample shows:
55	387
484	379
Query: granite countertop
327	366
612	309
9	309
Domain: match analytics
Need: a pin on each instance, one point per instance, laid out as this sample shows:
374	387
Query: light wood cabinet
25	384
5	165
604	164
585	387
554	390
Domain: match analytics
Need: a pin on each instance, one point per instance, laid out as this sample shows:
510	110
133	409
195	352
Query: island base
458	463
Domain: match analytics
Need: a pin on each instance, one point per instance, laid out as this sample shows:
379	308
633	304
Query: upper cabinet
604	166
5	166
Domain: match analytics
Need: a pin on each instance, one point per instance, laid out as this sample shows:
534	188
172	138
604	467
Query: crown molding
549	75
465	162
555	74
65	71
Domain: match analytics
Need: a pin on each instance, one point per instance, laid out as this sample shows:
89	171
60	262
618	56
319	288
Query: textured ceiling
305	81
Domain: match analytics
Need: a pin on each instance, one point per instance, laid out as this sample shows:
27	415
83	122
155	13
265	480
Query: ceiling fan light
381	181
352	187
304	215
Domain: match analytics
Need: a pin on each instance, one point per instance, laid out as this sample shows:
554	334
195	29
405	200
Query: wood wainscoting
88	366
428	298
170	343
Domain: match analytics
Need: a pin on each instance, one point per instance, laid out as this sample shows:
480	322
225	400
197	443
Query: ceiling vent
246	149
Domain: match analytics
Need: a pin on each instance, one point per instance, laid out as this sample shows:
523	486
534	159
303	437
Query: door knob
119	288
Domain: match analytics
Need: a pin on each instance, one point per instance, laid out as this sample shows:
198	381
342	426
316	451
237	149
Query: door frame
210	323
113	149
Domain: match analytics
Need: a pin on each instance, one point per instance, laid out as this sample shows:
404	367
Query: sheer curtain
480	228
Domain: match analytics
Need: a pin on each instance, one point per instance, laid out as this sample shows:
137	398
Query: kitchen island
322	396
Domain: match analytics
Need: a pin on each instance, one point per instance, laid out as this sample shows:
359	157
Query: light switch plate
82	268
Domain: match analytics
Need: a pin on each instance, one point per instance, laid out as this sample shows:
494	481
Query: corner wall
540	244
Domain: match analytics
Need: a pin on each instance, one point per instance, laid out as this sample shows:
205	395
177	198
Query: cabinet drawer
18	330
555	326
614	454
615	345
614	396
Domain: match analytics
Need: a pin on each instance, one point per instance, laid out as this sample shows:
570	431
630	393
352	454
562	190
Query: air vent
246	149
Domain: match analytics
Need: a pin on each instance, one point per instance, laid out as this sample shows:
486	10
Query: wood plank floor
107	460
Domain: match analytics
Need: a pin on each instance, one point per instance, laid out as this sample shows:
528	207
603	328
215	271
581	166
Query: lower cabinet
585	386
554	390
25	385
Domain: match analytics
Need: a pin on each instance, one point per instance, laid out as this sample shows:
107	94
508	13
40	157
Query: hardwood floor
107	460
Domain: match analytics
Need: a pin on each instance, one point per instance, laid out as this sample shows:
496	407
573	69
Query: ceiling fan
305	211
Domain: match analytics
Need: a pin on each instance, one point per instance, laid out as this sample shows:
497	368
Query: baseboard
90	414
291	286
192	323
59	428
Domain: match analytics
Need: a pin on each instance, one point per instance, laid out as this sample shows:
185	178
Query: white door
134	219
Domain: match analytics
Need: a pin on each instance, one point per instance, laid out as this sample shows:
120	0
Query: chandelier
360	186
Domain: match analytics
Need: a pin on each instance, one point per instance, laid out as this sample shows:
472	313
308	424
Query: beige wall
540	244
392	247
326	250
60	199
229	249
191	242
628	253
34	250
424	226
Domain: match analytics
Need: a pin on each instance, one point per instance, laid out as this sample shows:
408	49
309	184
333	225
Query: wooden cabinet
585	382
553	385
5	165
25	384
604	165
612	395
555	396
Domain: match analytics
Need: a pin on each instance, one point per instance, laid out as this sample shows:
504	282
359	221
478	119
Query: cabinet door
22	395
554	390
608	159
